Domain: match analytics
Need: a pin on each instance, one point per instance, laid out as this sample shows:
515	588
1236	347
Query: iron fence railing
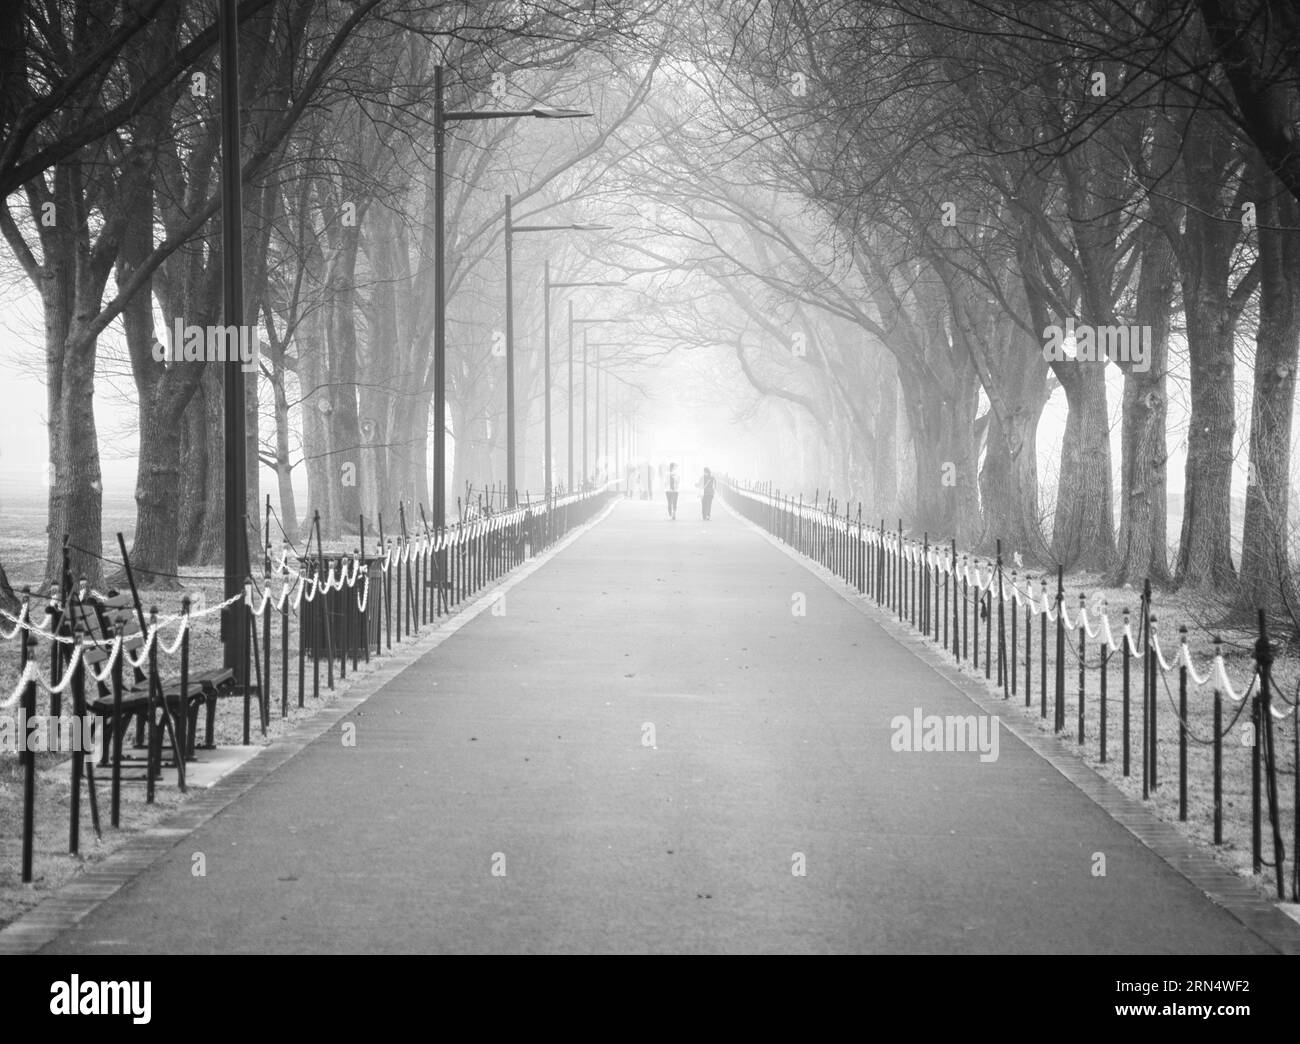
346	607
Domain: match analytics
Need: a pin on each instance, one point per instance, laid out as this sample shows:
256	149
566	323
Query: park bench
181	695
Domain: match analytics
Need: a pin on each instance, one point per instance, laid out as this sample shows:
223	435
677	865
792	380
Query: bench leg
159	735
208	742
192	712
183	727
106	738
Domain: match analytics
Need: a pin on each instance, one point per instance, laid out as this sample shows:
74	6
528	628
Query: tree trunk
313	372
1205	543
8	600
212	545
1266	581
345	430
1142	551
283	464
71	291
1083	528
884	460
1009	486
163	392
1015	383
1206	248
947	501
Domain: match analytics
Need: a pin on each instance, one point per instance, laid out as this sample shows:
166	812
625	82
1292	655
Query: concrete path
638	754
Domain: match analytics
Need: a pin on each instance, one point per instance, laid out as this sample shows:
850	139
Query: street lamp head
547	112
557	228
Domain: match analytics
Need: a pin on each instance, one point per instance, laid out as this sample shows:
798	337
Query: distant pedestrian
674	485
707	486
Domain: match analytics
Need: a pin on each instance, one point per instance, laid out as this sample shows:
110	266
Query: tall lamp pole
441	117
572	321
234	428
548	286
603	432
511	229
585	412
572	487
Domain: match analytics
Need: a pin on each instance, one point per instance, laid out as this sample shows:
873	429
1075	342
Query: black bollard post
1128	652
1218	763
965	607
1104	648
324	609
1029	651
1042	653
1002	633
78	685
1264	657
28	757
1083	653
1015	617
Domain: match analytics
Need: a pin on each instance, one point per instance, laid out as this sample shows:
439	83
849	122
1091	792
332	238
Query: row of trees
109	154
902	198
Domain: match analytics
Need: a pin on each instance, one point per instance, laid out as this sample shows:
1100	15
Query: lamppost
603	430
441	117
511	229
548	286
234	618
572	321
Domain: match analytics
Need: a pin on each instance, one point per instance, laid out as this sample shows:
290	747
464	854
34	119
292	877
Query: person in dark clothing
707	487
674	485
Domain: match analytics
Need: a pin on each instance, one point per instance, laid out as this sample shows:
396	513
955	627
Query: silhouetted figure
674	485
707	487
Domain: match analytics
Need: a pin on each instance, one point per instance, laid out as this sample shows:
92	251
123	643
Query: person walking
707	487
674	483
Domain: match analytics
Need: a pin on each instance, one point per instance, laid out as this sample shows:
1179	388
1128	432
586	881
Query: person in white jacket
674	485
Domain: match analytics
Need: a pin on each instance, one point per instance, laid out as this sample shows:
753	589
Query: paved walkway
517	745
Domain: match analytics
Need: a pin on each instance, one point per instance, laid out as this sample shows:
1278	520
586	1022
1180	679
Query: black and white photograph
651	477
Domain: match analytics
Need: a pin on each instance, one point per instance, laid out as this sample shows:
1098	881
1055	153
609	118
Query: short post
1083	652
1264	657
1104	650
1182	724
1059	718
1014	618
28	756
1218	756
1002	627
1042	653
1125	643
